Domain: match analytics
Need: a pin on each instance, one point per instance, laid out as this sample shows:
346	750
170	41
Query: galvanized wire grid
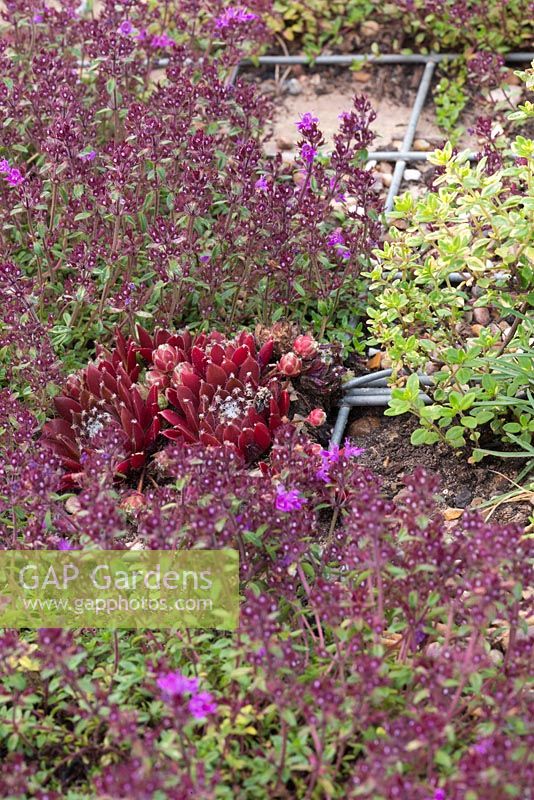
372	390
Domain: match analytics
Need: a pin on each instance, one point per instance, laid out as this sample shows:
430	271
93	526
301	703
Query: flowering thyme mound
205	389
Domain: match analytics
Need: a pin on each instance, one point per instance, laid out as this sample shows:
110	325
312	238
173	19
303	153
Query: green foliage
482	226
317	23
450	98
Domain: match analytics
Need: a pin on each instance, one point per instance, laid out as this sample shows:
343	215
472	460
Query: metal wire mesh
371	390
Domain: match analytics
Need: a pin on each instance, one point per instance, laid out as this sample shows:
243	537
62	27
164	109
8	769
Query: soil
327	91
463	486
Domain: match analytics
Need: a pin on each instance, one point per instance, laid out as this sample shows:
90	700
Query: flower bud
133	502
290	364
176	378
165	357
155	377
317	417
305	346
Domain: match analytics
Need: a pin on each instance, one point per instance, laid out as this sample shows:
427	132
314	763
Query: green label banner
119	589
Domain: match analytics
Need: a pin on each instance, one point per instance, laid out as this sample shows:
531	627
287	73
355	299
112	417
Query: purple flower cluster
336	456
288	500
12	175
234	16
175	685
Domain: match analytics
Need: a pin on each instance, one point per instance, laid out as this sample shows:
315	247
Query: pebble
496	657
385	166
422	144
481	315
293	86
463	498
513	94
361	76
477	329
284	144
364	426
268	87
412	174
387	179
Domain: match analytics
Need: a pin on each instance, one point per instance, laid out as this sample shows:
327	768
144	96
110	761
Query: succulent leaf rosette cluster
179	387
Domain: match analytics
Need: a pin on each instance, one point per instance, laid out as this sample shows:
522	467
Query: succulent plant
105	397
193	389
218	391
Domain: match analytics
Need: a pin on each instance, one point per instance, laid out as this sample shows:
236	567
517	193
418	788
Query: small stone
361	76
293	87
422	144
503	325
463	498
268	87
412	175
387	179
363	426
369	28
512	95
496	657
481	315
477	329
284	144
385	167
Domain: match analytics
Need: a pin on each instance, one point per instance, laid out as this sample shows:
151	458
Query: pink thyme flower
14	177
306	122
126	28
4	166
235	15
162	41
335	238
202	704
173	683
308	153
261	184
89	156
64	544
288	500
351	451
332	456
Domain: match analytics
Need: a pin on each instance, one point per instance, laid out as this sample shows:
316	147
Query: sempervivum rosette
201	388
